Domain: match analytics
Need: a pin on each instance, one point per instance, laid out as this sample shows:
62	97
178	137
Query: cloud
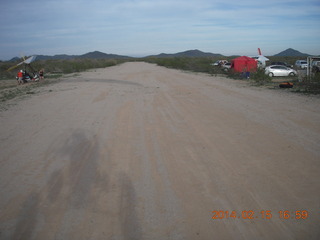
158	26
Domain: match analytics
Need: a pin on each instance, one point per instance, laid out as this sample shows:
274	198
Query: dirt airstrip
138	151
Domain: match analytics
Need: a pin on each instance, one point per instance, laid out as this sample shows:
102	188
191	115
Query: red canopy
244	64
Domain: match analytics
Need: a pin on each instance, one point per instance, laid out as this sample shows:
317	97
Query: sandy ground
138	151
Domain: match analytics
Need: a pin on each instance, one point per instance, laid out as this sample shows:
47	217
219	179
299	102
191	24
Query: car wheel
292	74
271	74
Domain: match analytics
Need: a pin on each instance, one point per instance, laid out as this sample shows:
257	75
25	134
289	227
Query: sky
145	27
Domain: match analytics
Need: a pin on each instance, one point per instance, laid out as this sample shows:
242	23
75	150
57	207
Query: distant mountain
60	56
291	53
101	55
189	53
90	55
14	59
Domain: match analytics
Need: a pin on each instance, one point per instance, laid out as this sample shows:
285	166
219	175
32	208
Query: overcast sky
144	27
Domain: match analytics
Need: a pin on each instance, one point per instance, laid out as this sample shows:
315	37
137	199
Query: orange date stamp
263	214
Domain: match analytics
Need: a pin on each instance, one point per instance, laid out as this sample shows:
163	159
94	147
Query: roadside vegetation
302	84
309	85
60	66
55	69
194	64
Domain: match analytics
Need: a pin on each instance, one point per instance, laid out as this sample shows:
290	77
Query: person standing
20	77
41	72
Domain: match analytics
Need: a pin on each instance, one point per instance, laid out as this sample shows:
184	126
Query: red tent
244	64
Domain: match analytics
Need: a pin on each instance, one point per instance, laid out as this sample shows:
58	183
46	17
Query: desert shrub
59	66
194	64
234	75
260	78
4	74
309	85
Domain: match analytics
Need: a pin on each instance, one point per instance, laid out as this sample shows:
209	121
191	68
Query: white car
301	64
219	63
226	66
279	70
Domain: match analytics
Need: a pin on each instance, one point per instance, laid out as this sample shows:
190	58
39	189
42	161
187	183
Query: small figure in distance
20	77
41	74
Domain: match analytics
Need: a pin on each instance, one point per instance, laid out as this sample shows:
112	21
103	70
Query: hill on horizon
101	55
291	53
89	55
188	53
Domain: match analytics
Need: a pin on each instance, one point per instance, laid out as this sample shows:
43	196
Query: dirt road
138	151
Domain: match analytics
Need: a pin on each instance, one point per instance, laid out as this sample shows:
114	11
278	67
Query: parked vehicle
282	63
279	70
226	66
219	63
301	64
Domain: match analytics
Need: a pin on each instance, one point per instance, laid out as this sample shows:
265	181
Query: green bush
194	64
59	66
260	78
309	85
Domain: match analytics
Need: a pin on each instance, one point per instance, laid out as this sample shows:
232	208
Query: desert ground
138	151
